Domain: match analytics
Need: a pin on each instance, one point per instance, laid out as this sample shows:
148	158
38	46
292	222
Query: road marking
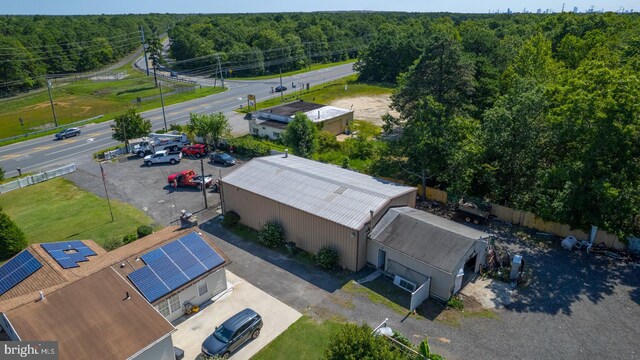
10	156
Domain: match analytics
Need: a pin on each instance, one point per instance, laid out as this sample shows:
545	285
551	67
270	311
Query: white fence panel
37	178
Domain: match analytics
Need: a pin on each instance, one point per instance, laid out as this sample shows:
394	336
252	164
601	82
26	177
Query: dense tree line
540	113
34	46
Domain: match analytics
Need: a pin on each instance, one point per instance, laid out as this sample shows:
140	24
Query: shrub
327	142
248	146
112	244
399	337
327	258
271	234
12	239
176	127
1	174
144	230
351	341
345	162
129	238
455	303
230	219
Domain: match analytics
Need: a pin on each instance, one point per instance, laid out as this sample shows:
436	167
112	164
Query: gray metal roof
426	237
324	190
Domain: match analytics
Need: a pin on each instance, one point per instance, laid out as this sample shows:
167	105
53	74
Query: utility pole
204	186
124	133
53	109
144	49
104	182
281	91
164	117
562	7
220	70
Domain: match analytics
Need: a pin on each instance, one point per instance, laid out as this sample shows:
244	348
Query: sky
82	7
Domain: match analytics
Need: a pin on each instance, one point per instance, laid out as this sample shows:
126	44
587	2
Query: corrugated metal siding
309	232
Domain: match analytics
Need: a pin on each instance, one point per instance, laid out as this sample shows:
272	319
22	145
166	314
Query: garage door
333	126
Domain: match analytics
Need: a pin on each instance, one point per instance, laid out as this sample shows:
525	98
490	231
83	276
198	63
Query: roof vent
318	114
286	152
127	296
41	296
122	265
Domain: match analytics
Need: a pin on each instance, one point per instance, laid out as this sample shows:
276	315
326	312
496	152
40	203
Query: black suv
68	133
232	334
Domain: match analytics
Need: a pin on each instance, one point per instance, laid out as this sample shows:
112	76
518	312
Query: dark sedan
223	158
280	88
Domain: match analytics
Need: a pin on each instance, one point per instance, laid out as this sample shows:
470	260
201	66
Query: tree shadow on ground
559	278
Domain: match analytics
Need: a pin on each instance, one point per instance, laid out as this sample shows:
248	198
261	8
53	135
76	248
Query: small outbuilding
273	121
317	204
418	248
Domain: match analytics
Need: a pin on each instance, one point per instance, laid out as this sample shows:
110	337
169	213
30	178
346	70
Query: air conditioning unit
404	283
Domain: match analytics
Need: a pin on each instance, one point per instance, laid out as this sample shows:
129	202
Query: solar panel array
63	253
173	265
17	269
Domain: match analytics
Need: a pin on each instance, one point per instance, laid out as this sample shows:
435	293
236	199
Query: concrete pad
277	317
490	293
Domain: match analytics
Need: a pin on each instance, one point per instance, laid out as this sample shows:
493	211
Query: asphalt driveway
146	188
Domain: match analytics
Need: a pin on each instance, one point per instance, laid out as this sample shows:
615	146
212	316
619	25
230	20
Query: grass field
58	210
305	339
296	72
323	94
86	99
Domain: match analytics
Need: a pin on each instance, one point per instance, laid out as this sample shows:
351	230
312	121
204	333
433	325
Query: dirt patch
489	293
369	108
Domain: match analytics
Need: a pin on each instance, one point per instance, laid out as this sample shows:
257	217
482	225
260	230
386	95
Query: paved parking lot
276	315
146	188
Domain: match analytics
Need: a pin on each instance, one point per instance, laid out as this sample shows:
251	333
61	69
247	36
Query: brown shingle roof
51	273
126	255
91	320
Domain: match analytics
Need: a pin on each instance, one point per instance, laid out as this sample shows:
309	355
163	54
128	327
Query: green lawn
325	93
85	99
304	339
289	73
58	210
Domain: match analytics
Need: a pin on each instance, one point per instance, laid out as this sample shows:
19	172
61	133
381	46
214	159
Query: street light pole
164	117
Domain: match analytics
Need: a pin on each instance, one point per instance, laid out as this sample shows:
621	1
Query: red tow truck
197	150
189	178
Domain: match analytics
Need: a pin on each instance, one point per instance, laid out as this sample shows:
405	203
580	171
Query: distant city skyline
85	7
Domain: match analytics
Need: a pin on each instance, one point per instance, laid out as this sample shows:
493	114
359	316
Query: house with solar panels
170	269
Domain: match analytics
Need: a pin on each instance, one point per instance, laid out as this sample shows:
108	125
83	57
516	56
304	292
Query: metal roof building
317	204
416	245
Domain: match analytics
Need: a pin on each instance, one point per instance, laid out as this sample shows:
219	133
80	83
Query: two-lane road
44	153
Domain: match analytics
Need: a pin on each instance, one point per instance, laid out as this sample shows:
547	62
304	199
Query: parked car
196	150
68	133
280	88
223	158
232	334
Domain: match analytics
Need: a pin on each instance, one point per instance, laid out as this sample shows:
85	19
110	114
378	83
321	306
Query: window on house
202	288
174	303
163	308
256	131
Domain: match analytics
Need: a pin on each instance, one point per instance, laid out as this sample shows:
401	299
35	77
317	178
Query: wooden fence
533	221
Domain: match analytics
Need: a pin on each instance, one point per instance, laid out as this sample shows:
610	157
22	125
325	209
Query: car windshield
225	157
223	334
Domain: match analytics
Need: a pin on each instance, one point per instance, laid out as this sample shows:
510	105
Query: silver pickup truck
164	156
